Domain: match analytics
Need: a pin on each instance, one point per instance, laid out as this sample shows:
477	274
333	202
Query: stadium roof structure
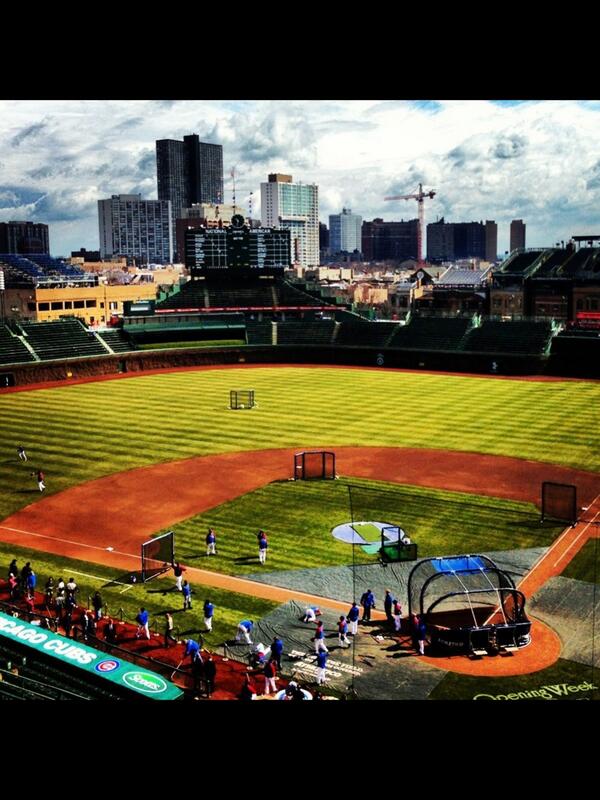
463	277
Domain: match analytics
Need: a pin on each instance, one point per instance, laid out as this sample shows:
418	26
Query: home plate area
376	665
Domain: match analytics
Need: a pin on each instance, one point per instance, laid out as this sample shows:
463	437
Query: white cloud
536	160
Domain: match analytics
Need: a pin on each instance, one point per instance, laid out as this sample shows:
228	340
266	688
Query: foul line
554	546
578	536
67	541
97	578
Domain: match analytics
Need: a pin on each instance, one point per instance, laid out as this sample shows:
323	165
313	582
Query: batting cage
559	502
158	555
468	603
241	398
314	465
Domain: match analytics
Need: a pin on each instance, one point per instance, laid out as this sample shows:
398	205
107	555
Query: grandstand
585	263
308	332
65	339
432	333
524	337
217	293
117	340
33	268
259	332
12	349
550	264
520	262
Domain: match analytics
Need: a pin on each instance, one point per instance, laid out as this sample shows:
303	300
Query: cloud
127	124
510	146
29	132
484	159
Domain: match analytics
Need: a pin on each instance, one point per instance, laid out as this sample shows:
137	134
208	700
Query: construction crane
419	197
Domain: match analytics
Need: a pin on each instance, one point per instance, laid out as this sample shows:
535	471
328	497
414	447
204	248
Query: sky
533	160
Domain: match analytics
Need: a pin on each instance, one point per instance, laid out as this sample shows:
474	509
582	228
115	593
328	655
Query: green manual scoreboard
140	681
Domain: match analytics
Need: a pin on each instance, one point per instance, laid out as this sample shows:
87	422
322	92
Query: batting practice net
382	510
559	501
158	555
468	602
314	465
396	545
241	398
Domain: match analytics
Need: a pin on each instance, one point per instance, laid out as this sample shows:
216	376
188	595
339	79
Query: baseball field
457	461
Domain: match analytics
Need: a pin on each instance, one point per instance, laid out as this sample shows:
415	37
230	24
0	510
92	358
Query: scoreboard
238	247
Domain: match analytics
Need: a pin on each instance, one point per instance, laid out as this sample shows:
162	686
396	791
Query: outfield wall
140	361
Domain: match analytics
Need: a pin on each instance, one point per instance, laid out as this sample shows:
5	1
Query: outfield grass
299	515
76	433
157	595
564	680
586	564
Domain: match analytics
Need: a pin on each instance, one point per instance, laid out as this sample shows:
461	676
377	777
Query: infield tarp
370	669
572	608
339	583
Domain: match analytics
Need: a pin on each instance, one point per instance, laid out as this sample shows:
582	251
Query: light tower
419	196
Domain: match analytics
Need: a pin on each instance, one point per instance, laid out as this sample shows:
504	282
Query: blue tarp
462	564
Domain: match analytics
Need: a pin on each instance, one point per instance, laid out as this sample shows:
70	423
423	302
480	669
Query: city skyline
502	160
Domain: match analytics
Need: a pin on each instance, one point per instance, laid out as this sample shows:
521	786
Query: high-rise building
294	206
451	241
517	234
188	172
395	241
345	232
24	238
491	240
323	237
136	228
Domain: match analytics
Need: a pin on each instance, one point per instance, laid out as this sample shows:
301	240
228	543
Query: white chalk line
551	548
97	578
579	535
68	541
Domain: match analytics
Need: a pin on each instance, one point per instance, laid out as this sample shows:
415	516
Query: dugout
468	603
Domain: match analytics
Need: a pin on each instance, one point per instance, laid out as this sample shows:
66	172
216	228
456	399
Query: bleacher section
12	349
313	332
551	264
191	296
39	266
20	267
288	295
65	339
216	294
56	266
364	333
431	333
259	333
238	297
521	262
531	338
117	340
584	263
